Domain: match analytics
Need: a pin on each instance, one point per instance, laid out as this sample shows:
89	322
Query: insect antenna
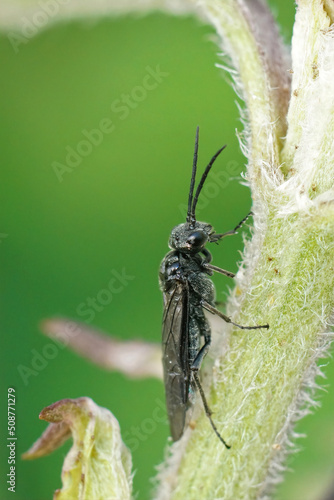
207	410
190	216
201	183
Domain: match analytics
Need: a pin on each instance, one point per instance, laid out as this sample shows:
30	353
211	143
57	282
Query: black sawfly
187	291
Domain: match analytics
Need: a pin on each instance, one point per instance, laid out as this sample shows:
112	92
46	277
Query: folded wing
175	356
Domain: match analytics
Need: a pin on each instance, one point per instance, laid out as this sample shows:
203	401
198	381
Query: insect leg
213	310
207	265
207	410
207	255
194	369
196	364
218	270
216	237
220	303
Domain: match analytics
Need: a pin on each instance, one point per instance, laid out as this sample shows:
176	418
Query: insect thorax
187	269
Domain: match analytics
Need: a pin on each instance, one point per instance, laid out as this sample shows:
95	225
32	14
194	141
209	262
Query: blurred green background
113	211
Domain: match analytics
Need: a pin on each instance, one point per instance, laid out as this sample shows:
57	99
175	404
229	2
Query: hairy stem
259	387
265	381
250	38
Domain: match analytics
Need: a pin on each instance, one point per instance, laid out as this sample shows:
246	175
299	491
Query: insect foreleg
213	310
207	255
214	238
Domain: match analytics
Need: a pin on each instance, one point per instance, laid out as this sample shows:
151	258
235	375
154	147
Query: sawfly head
192	236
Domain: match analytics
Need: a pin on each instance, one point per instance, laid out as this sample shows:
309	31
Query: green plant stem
258	388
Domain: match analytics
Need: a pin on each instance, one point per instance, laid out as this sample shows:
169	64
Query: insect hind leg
196	364
207	409
194	369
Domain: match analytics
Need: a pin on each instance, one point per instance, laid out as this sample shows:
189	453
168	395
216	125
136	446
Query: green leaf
98	466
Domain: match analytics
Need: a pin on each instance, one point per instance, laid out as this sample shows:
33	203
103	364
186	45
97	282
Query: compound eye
197	239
